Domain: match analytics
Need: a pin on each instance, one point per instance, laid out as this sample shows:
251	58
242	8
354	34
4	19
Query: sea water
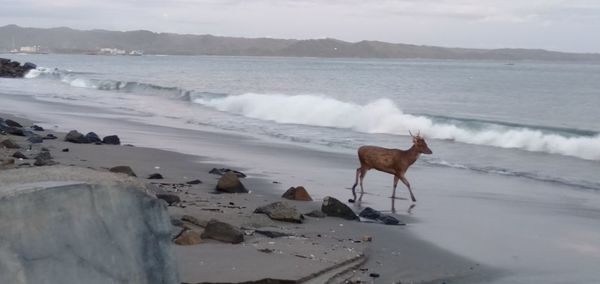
521	140
536	120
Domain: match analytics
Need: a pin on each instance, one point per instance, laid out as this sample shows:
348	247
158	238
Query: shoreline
420	261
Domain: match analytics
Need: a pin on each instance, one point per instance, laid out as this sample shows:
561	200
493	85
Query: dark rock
297	193
177	223
35	139
19	155
188	238
65	150
75	137
196	181
193	220
335	208
13	69
92	137
370	213
389	220
112	140
230	183
155	176
44	159
272	234
17	131
123	170
223	232
222	171
316	214
29	65
373	214
37	128
8	143
13	123
281	211
169	198
49	136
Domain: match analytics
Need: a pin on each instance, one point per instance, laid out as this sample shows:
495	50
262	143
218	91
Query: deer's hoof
351	200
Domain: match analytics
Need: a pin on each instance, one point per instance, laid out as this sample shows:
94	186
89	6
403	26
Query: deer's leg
396	178
409	190
363	172
355	184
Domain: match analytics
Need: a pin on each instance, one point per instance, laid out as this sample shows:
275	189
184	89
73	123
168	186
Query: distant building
27	49
136	52
112	51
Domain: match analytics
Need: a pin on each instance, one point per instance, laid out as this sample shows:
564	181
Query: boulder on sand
373	214
8	143
297	193
75	137
169	198
93	137
155	176
335	208
123	170
230	183
19	155
13	123
222	171
281	211
223	232
111	140
44	159
188	238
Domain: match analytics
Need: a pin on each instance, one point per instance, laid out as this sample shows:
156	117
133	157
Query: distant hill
67	40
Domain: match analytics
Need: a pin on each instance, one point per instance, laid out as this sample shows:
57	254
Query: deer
391	161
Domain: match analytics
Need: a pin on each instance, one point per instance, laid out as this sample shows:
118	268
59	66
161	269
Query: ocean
535	123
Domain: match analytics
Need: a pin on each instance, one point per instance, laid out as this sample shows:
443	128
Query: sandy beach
320	250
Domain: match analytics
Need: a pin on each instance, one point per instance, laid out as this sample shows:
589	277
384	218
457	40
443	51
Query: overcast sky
567	25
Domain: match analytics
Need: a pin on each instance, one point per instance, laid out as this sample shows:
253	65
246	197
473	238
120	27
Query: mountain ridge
68	40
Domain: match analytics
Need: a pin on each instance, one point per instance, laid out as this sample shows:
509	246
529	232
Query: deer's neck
412	154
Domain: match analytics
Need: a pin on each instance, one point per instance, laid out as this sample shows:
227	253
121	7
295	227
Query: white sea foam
384	116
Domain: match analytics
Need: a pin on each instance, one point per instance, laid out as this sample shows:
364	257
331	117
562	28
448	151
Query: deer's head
420	144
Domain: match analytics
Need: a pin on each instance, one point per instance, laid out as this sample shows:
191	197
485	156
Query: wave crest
384	116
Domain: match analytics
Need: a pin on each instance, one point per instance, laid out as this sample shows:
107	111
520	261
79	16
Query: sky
563	25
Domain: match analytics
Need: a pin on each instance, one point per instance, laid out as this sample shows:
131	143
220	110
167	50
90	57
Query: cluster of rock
9	126
14	69
75	136
42	158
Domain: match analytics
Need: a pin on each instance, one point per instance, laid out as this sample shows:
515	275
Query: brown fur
392	161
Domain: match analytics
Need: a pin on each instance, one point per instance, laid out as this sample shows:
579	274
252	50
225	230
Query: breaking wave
84	80
385	117
381	116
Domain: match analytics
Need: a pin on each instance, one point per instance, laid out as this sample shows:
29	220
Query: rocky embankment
14	69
